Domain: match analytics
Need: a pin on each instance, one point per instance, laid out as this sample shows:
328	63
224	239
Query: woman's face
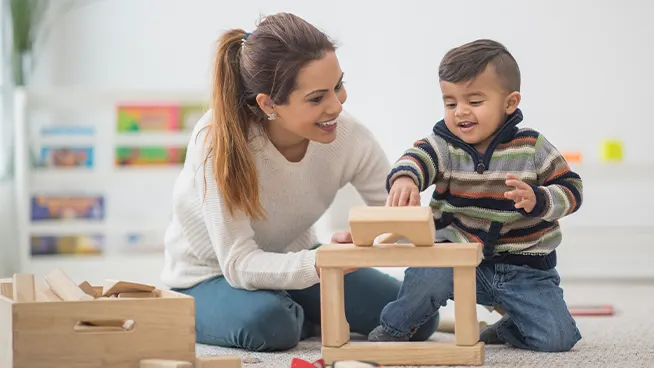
314	105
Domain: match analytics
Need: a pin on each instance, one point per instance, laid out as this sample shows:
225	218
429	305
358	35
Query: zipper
482	164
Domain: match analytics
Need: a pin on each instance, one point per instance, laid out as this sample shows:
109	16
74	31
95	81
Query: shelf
74	96
90	226
65	140
152	139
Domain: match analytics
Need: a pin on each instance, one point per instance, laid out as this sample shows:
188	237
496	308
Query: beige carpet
623	340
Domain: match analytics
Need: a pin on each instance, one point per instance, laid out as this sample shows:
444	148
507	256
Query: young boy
497	185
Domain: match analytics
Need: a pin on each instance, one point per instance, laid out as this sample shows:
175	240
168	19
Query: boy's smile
476	109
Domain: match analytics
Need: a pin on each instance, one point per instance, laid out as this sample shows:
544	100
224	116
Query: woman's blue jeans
272	320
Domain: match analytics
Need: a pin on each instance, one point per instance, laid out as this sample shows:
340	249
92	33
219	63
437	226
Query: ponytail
233	162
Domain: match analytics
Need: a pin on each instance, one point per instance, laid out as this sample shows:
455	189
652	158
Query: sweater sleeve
243	263
560	190
372	168
420	163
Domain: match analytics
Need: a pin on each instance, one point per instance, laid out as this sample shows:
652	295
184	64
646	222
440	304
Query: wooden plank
414	223
6	332
162	363
64	287
88	289
24	290
407	353
465	306
45	294
399	255
225	361
7	288
118	286
335	329
385	214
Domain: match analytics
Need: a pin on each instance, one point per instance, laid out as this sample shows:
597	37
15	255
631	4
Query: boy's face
475	109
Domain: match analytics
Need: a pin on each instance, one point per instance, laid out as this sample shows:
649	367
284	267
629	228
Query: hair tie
247	34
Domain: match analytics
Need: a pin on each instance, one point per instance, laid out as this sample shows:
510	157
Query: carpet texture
625	339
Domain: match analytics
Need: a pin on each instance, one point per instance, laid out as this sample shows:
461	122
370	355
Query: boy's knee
558	338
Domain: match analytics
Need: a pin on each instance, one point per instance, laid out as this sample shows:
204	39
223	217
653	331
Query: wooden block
388	238
334	327
45	294
23	288
89	289
354	364
399	255
414	223
7	288
407	353
138	294
447	325
218	362
162	363
53	335
64	287
465	306
117	287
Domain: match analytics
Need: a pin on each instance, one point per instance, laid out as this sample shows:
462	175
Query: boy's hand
404	192
523	195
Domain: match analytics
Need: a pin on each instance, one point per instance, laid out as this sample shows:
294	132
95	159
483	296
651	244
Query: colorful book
58	207
158	118
81	244
76	130
149	156
65	157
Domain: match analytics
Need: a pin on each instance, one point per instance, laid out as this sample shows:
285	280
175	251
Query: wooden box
61	333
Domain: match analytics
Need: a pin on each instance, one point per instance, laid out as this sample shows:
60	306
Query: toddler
497	185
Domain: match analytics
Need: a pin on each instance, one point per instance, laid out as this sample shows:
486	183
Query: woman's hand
341	237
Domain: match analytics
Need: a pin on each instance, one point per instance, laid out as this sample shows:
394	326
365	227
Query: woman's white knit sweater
203	241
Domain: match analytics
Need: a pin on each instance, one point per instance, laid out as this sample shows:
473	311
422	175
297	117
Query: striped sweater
468	199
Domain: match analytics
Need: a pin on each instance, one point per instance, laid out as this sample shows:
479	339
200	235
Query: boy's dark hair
467	61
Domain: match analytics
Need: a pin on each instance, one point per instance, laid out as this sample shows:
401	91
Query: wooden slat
414	223
335	329
407	353
379	214
399	255
24	290
465	306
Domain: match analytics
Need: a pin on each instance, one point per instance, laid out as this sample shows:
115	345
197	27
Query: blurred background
99	96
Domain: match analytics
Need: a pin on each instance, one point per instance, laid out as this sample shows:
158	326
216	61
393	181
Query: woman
261	169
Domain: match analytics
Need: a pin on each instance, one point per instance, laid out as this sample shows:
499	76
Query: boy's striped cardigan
468	199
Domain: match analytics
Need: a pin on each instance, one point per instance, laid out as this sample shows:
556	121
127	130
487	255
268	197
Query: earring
272	116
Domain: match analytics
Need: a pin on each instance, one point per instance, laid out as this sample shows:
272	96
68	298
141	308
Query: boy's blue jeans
537	317
271	320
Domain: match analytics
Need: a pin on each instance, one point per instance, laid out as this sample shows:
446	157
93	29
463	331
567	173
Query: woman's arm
372	167
243	263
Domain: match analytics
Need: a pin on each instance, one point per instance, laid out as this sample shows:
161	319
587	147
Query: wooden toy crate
46	334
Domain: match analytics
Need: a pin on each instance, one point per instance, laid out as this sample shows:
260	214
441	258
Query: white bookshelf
137	199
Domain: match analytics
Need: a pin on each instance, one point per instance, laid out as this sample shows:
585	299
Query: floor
623	340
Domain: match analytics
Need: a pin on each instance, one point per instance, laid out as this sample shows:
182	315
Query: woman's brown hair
266	61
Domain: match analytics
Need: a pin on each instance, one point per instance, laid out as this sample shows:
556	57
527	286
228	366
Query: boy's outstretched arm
420	163
560	190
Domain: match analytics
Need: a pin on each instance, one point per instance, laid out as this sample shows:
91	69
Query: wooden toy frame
332	259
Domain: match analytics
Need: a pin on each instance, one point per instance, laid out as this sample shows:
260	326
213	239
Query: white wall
586	76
